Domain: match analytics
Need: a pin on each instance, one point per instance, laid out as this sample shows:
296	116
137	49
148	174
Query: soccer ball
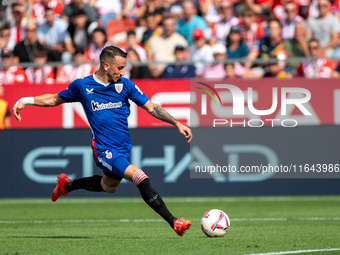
215	223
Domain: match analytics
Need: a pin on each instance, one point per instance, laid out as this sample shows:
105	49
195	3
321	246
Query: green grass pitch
273	225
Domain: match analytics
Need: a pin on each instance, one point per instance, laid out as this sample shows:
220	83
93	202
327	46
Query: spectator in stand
7	11
162	47
5	114
20	21
315	68
10	74
179	70
53	35
136	71
39	8
216	70
23	51
186	26
209	11
277	10
288	23
154	7
271	46
250	30
298	45
221	30
312	9
110	10
259	7
151	28
200	52
78	5
80	29
235	46
229	71
272	69
43	74
304	8
70	72
5	34
133	44
136	10
98	43
174	9
325	28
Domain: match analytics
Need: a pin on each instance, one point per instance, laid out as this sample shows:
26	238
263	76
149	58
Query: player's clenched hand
16	110
184	130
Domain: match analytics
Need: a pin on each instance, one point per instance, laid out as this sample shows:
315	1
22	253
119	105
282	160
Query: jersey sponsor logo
119	87
89	91
96	106
108	154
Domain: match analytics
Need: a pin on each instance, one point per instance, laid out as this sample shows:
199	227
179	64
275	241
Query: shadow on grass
52	237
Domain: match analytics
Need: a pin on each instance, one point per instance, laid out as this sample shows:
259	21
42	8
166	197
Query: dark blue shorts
113	163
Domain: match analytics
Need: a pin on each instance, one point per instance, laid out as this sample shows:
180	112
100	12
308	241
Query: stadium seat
116	26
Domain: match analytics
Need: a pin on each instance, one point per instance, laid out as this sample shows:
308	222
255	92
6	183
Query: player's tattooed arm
158	112
161	114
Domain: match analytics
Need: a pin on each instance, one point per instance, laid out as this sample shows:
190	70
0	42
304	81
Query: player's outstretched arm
158	112
46	100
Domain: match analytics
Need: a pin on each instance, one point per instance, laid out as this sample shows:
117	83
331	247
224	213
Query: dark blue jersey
107	108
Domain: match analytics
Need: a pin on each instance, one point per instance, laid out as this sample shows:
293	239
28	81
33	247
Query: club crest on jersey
119	87
108	154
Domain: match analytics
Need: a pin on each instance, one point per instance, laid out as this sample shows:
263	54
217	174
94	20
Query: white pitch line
145	220
296	252
173	200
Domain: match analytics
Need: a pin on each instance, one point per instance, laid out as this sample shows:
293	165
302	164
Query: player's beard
113	78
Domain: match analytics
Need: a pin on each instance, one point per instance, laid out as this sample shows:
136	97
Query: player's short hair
109	53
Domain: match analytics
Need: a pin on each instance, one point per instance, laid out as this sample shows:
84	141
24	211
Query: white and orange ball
215	223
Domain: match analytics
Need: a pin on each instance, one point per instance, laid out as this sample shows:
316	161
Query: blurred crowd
205	32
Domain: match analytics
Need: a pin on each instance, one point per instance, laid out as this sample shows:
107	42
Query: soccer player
104	96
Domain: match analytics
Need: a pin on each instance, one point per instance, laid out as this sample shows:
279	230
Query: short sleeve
136	95
71	94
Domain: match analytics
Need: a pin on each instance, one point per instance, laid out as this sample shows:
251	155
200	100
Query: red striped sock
138	176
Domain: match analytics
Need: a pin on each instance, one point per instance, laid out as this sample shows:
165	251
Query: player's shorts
113	163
